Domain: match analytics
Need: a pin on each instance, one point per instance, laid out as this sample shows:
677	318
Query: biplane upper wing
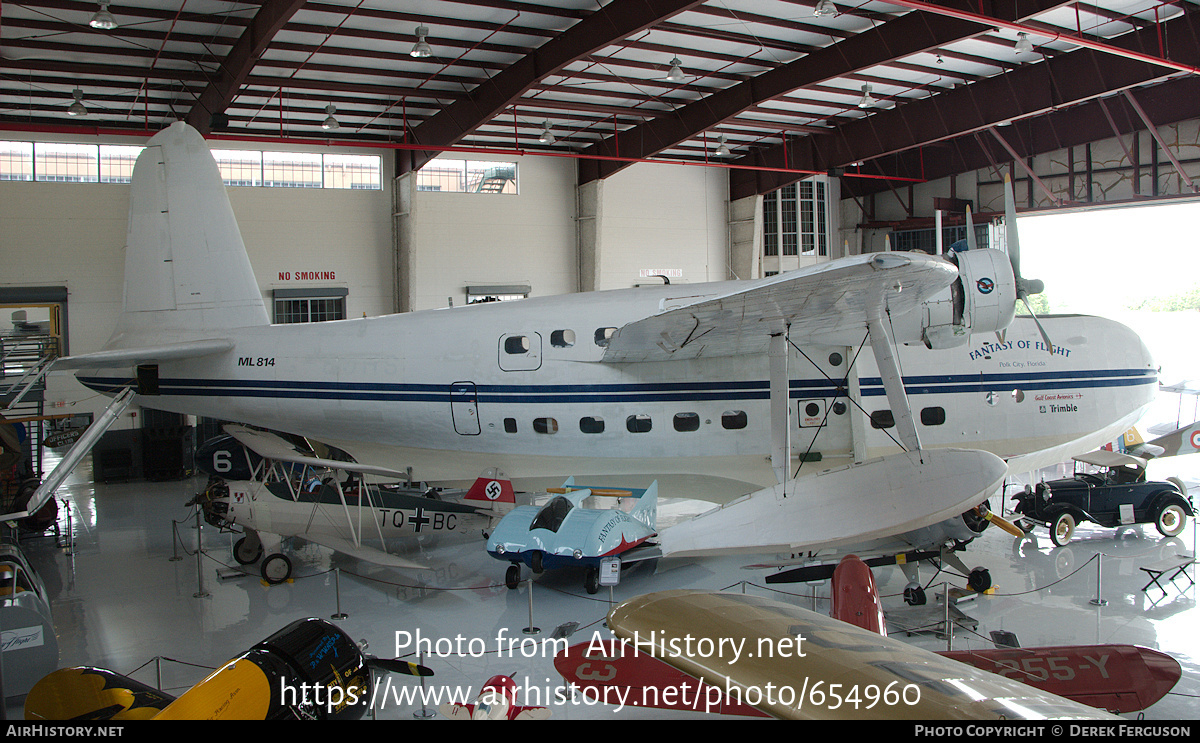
793	663
827	303
271	446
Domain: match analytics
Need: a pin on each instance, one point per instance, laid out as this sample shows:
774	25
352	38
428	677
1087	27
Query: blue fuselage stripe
613	393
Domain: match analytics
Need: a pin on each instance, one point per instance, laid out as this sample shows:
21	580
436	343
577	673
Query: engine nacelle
982	300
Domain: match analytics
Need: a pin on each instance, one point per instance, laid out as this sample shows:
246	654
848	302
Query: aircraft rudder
492	487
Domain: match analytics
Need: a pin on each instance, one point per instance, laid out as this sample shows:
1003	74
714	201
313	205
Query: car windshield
552	514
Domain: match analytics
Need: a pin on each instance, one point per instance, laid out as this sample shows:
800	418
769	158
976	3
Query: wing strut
68	463
781	430
893	384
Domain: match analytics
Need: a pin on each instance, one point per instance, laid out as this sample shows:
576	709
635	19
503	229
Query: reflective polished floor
131	593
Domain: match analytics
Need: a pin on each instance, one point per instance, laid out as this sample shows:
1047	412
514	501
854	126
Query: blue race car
562	533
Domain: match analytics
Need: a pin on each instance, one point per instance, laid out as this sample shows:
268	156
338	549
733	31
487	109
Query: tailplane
186	268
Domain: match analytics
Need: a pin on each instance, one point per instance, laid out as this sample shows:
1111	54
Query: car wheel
1025	525
591	580
1170	520
535	561
512	576
247	551
1062	529
276	569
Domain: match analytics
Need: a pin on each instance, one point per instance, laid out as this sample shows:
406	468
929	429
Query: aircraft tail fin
186	267
646	509
492	487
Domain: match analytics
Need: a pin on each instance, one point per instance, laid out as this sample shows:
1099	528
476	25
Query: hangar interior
541	149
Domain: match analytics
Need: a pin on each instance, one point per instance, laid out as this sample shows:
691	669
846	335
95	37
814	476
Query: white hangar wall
655	217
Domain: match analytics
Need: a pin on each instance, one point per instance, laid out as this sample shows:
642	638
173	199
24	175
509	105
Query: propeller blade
1010	227
970	232
1042	330
1004	524
399	666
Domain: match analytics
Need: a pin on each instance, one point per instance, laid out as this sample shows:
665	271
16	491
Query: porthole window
638	424
591	424
835	359
882	419
545	425
510	425
685	422
933	416
562	338
1018	396
604	335
812	410
839	408
516	344
733	420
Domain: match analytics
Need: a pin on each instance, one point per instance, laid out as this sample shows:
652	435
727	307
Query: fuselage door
464	408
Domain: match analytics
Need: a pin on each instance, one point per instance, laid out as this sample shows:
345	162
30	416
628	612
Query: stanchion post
337	592
424	713
1098	601
200	592
946	607
531	630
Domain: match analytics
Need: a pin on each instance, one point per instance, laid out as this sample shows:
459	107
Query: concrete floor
133	595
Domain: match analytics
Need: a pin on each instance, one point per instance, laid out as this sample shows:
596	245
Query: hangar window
562	338
591	424
310	305
733	420
239	167
933	416
16	161
794	220
292	169
604	335
66	163
882	419
685	422
352	171
545	425
447	175
510	425
638	424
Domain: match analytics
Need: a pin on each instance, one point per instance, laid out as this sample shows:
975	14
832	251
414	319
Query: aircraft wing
798	664
145	354
828	303
363	552
270	446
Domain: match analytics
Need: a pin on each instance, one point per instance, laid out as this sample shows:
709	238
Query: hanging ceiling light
421	49
722	148
547	136
330	122
867	100
1023	45
825	7
77	108
102	19
676	73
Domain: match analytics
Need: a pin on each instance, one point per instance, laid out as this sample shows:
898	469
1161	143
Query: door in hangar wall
464	408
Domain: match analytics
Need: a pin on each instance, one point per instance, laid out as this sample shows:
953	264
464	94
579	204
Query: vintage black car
1117	494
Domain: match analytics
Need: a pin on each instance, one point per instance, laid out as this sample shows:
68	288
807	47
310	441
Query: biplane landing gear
979	580
247	550
512	576
276	569
914	595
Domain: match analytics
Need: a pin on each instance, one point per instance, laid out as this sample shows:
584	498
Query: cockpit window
552	514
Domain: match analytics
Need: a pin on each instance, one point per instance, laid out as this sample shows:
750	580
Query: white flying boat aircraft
843	363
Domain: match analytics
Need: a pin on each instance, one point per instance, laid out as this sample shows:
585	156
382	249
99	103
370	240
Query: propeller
395	665
1025	287
1001	522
